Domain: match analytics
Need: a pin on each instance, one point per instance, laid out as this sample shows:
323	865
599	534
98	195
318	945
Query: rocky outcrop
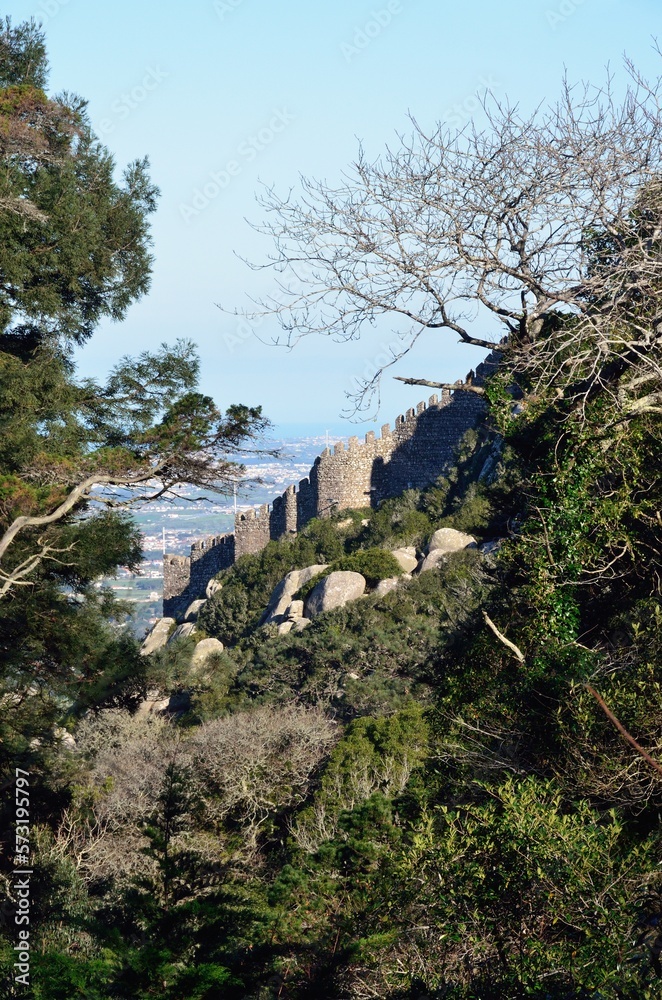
334	591
157	637
281	597
182	632
390	583
204	651
157	703
213	587
193	610
450	540
442	544
433	560
407	558
64	737
154	703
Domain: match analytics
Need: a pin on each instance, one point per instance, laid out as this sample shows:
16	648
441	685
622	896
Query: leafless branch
463	386
517	652
17	576
623	731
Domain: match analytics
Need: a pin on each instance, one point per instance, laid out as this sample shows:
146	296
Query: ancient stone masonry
185	578
418	449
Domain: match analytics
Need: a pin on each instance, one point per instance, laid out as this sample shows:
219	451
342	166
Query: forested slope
395	802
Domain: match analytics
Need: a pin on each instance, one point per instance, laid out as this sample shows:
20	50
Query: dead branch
17	576
453	386
623	731
79	494
517	652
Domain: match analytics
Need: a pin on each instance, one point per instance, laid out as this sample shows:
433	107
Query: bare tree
253	764
241	769
492	233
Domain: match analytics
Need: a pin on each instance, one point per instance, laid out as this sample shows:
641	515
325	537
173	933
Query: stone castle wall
412	454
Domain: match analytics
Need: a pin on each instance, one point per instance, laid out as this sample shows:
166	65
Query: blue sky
254	90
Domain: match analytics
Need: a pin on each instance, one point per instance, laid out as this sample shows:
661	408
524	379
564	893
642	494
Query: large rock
157	703
449	540
182	632
433	560
64	737
443	542
213	587
305	575
281	597
295	610
406	557
334	591
194	610
203	652
301	623
157	637
154	703
387	585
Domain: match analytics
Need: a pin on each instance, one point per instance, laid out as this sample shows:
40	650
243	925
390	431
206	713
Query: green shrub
375	755
329	541
227	614
168	668
374	564
393	646
302	592
398	521
472	512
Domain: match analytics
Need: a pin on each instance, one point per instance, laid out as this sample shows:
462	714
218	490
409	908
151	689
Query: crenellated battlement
418	448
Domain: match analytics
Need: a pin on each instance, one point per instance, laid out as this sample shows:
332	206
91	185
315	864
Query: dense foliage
475	827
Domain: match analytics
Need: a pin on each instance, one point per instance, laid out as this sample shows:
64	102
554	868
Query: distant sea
173	525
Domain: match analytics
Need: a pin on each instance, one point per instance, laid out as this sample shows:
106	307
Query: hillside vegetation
394	802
